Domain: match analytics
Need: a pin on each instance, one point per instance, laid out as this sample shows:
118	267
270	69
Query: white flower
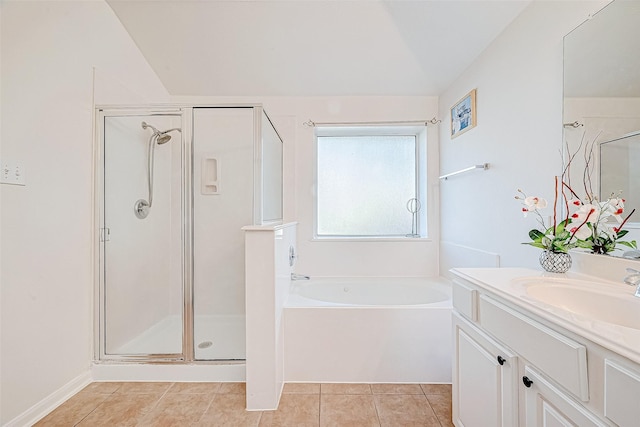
580	232
607	230
534	203
586	214
579	220
613	207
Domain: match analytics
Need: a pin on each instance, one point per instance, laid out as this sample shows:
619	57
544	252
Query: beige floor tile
153	404
441	404
73	410
302	388
294	410
144	387
122	410
232	388
436	388
102	387
405	410
396	389
348	410
194	388
177	410
345	389
228	410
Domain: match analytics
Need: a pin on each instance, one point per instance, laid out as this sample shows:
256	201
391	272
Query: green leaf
585	244
631	244
535	244
561	226
559	248
622	233
536	235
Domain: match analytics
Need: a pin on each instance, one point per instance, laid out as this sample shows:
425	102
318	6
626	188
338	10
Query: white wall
331	258
519	132
49	50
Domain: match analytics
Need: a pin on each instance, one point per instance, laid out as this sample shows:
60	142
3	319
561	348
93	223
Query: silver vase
555	262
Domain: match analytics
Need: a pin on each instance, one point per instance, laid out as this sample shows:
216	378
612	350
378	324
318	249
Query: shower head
161	137
164	137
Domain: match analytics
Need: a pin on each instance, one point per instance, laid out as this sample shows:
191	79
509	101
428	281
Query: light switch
12	173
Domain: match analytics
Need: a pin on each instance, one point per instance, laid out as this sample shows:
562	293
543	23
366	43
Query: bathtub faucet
295	276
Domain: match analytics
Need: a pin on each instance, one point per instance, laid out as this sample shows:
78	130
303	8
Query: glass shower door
141	238
223	158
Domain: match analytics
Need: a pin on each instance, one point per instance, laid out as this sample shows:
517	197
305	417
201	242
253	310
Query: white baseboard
49	403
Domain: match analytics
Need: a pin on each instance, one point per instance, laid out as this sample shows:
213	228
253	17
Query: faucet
633	279
295	276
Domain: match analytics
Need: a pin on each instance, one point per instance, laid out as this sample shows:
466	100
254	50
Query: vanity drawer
465	300
560	358
621	391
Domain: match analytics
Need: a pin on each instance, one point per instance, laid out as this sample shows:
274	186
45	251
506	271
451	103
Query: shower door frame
186	201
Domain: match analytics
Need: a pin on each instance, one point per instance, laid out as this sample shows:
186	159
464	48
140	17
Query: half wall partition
174	187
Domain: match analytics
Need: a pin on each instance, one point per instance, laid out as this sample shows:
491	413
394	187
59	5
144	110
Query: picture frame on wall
463	114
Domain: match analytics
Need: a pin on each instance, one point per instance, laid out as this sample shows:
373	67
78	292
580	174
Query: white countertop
509	284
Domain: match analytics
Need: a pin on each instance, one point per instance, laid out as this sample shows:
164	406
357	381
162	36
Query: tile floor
222	404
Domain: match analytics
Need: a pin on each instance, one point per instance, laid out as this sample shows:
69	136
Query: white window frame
420	133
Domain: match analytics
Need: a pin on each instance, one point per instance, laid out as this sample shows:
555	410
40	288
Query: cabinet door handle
527	382
501	360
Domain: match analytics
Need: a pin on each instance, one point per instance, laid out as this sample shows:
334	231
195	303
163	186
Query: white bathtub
393	330
373	291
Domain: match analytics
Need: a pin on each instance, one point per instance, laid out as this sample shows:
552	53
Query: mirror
620	170
602	106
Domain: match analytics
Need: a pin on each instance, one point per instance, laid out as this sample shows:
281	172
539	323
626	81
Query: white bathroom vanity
542	349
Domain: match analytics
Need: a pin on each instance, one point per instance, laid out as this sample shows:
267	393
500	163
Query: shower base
216	337
224	371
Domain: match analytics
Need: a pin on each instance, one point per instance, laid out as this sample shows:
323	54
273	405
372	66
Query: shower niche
174	188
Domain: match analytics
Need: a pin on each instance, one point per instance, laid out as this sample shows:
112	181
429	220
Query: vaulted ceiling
312	47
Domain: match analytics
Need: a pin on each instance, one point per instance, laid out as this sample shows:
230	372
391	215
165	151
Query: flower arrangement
593	225
557	237
596	226
598	223
598	233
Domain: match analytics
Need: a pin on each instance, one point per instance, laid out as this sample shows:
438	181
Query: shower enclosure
174	187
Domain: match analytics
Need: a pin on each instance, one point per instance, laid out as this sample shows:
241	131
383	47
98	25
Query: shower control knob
501	360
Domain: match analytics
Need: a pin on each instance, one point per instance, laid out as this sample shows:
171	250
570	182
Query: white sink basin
604	303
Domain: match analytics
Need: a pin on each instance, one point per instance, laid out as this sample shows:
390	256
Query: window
366	181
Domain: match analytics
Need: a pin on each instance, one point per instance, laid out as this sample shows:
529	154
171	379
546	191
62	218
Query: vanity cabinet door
547	406
621	391
484	379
